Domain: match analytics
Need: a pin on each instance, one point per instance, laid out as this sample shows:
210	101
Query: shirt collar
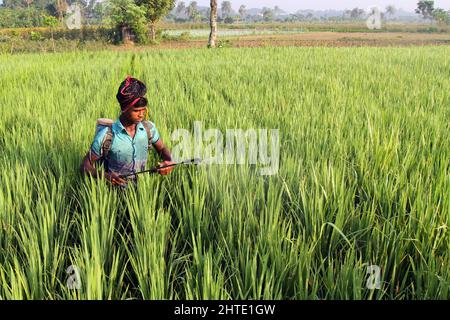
118	126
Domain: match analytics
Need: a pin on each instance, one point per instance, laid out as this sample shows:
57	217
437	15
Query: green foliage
4	38
100	34
19	46
428	11
17	13
184	36
229	20
193	12
224	44
126	13
50	21
36	36
441	16
156	9
21	17
425	8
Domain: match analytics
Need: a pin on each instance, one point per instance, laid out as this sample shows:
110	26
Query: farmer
123	147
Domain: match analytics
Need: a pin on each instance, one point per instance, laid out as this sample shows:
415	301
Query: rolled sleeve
155	134
96	146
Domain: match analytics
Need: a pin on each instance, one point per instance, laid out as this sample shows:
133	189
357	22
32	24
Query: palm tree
390	10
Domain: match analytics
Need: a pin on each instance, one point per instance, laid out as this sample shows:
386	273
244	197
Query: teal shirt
127	155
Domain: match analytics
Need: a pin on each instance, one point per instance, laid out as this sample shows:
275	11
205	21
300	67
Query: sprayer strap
107	142
148	127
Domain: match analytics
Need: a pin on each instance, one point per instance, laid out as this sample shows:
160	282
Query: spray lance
194	161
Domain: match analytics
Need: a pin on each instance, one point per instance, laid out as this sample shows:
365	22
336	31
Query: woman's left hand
165	171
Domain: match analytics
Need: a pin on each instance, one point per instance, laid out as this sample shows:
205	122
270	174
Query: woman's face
136	115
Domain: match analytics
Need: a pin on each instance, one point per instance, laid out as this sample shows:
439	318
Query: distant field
315	39
363	178
332	26
182	39
204	33
189	35
335	26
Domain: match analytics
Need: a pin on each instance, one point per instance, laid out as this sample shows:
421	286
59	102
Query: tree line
137	19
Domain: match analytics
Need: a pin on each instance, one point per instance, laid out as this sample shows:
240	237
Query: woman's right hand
115	179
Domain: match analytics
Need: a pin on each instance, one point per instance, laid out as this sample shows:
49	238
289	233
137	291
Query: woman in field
123	146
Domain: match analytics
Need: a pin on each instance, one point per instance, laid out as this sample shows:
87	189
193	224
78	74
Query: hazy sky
292	6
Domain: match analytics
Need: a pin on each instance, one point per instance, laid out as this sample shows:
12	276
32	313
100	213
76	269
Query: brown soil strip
316	39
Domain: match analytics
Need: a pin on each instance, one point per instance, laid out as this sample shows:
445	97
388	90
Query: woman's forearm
165	154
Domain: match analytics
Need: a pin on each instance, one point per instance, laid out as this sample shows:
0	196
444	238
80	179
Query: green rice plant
363	177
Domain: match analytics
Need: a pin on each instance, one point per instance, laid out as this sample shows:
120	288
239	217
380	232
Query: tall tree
192	10
242	11
347	13
226	9
61	8
213	24
356	13
277	11
155	10
441	16
390	10
267	14
425	8
181	8
127	16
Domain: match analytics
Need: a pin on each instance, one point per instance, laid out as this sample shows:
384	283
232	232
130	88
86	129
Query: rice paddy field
363	178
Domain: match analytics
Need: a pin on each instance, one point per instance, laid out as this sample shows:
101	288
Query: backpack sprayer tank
103	122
